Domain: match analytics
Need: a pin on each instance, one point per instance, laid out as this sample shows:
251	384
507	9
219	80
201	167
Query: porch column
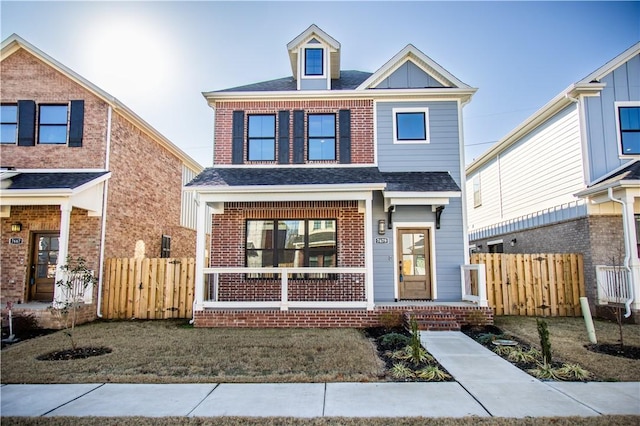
628	217
201	234
368	249
63	251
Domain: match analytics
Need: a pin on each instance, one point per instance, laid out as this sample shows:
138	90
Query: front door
44	260
414	264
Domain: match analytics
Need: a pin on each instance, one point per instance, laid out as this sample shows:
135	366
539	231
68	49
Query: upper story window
629	129
410	125
261	137
477	194
321	130
52	124
313	61
9	119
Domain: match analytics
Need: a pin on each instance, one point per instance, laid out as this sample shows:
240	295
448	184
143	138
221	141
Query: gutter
627	256
103	225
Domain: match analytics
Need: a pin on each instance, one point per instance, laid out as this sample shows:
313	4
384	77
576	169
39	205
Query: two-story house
82	176
336	195
567	179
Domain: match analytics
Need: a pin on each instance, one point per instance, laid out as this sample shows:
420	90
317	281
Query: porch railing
474	284
348	283
614	285
77	293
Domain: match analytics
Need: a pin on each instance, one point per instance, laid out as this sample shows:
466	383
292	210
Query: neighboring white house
567	179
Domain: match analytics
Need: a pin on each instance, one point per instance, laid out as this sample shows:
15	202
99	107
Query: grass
324	421
171	352
568	337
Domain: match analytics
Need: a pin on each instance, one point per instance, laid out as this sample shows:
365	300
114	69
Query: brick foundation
329	318
46	319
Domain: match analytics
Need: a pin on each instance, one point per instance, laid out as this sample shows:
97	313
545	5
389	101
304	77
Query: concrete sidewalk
485	386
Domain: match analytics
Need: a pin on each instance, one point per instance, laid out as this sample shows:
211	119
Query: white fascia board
217	197
296	166
419	194
258	189
613	64
440	93
34	200
600	188
555	105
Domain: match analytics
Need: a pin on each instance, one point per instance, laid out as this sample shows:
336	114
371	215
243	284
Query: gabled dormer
315	59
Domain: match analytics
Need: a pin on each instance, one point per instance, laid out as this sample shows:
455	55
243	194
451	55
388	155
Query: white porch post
63	251
630	247
368	249
201	207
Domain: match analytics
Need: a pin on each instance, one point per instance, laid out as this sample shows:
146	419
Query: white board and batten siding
541	170
188	210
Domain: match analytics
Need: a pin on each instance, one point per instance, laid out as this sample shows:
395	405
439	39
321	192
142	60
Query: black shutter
298	137
26	123
283	137
237	146
76	123
344	118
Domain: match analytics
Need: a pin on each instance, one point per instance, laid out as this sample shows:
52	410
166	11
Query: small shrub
24	325
545	341
432	373
520	355
401	371
390	320
503	350
486	338
574	371
546	372
394	340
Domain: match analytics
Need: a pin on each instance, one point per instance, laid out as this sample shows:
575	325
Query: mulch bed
78	353
631	352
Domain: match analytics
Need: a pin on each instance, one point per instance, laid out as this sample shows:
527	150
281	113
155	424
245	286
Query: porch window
291	243
9	119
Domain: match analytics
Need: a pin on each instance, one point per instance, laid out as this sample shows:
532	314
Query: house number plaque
15	240
382	240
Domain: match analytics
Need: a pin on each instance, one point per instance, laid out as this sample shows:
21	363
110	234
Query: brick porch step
433	320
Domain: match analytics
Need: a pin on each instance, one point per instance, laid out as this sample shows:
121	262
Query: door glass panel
47	257
413	254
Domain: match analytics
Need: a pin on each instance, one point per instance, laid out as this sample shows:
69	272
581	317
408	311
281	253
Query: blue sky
158	57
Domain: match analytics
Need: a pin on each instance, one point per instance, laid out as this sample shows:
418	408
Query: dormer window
313	61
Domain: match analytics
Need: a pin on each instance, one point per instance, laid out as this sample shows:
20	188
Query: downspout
103	225
627	246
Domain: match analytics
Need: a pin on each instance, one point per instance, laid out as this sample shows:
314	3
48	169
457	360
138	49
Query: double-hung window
313	61
629	129
9	119
291	243
321	129
261	137
410	125
52	124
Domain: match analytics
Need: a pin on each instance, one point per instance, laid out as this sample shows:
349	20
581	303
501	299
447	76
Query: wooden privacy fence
148	288
533	284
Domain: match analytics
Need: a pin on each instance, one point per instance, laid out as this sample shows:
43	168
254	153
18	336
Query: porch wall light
16	227
382	227
513	242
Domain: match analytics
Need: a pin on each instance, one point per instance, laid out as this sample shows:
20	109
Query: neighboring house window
290	243
411	125
9	119
629	129
321	130
165	248
52	124
495	246
477	194
313	61
261	137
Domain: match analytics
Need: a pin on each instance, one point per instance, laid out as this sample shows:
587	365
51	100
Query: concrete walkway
485	386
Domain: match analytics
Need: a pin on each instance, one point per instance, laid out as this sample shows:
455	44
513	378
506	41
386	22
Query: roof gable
315	35
418	60
14	43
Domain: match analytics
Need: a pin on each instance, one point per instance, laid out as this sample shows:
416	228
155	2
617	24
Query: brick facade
144	191
228	250
329	318
362	147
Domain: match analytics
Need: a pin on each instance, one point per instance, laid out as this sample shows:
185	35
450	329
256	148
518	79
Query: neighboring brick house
336	194
567	179
82	175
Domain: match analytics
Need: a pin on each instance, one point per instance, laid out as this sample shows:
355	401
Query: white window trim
617	106
427	139
431	226
303	59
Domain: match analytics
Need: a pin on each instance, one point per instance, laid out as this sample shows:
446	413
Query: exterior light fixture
16	227
513	242
382	227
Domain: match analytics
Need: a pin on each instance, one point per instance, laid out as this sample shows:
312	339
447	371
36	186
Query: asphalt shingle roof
630	172
396	181
53	180
348	80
